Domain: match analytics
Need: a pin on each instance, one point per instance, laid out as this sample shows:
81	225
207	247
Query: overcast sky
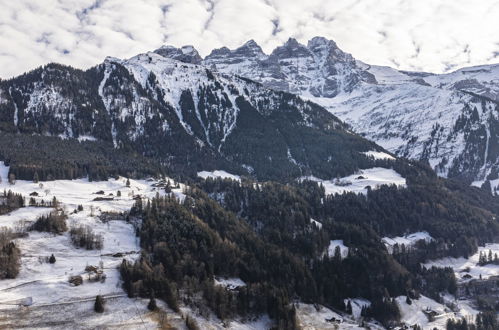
428	35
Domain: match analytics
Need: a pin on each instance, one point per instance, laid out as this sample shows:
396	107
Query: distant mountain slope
186	116
448	119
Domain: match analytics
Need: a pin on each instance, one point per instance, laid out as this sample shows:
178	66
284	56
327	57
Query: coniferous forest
262	233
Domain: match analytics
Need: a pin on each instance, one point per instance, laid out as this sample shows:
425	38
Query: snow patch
358	183
378	155
311	317
357	305
229	283
218	174
86	138
4	172
332	247
316	223
407	240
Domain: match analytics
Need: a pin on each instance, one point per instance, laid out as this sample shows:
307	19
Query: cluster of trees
142	279
42	203
10	201
54	222
10	255
483	321
84	237
485	259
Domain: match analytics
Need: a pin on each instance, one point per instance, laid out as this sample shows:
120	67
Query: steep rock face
439	118
447	119
456	132
185	115
318	69
187	54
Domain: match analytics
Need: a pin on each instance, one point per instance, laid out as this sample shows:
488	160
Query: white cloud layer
423	35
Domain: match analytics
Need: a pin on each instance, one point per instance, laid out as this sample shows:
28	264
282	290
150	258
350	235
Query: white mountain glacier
450	120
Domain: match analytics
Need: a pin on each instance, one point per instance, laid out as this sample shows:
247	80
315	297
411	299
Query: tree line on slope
47	158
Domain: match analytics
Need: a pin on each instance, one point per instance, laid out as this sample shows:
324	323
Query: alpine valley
298	190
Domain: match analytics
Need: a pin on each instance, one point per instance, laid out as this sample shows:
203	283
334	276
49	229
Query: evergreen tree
337	254
99	304
152	302
55	203
349	307
12	178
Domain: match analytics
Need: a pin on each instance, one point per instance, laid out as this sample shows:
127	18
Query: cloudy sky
429	35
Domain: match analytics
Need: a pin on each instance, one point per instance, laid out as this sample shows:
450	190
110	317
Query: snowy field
407	240
218	174
358	183
469	266
312	317
357	305
56	302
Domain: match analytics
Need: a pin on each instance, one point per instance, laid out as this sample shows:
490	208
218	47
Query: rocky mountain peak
187	54
291	48
218	52
249	49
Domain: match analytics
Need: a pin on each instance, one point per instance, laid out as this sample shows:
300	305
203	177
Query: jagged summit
187	54
250	49
292	48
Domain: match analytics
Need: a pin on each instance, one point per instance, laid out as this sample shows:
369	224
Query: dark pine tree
99	304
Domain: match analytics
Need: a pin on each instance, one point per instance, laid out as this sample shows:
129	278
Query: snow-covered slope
55	302
469	268
481	80
455	131
371	178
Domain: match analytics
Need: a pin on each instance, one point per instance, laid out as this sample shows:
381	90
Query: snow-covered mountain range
172	101
451	119
186	116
